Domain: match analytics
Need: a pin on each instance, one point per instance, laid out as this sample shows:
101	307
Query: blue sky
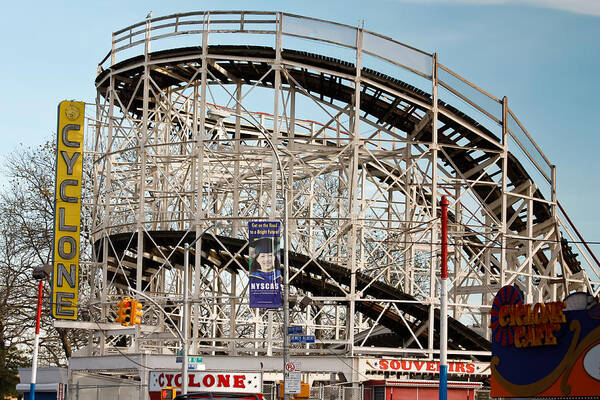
542	54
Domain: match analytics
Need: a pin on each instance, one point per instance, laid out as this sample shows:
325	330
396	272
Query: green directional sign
191	360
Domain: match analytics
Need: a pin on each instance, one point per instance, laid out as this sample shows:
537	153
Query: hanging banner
265	264
545	349
67	209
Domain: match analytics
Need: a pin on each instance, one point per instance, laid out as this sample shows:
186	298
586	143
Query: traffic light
136	312
124	311
168	393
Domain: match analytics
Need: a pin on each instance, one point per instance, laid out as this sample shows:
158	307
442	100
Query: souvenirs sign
424	366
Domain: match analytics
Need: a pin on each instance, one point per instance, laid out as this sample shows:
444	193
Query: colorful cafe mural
545	349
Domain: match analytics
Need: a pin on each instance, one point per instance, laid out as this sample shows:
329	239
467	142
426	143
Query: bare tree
26	223
15	306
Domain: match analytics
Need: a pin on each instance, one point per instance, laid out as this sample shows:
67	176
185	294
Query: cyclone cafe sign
545	349
67	209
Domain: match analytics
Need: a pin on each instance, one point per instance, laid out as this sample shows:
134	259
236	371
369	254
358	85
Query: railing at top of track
570	232
453	89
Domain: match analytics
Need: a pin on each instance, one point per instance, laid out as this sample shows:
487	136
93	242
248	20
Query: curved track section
322	279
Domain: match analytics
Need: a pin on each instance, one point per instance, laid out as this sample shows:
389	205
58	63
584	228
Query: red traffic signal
124	311
168	393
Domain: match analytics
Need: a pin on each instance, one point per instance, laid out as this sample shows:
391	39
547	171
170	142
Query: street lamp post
443	390
179	333
184	324
36	342
183	333
220	114
39	273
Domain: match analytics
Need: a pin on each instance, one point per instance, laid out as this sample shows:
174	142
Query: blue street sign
302	338
296	338
294	330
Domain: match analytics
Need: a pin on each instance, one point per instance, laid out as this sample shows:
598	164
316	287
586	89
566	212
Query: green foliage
11	359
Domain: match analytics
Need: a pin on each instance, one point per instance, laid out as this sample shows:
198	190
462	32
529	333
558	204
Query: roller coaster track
318	277
331	80
326	85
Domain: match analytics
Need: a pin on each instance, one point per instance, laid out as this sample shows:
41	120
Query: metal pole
184	345
443	391
184	324
286	263
286	289
36	342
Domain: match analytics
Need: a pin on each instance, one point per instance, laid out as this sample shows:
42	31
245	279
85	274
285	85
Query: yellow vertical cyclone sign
67	209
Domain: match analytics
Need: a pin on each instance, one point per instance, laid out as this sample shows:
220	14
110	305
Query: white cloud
590	7
587	7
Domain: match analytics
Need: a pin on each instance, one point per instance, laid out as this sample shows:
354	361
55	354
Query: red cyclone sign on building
224	382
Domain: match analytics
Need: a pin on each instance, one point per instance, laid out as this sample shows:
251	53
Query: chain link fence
87	386
320	392
95	388
99	392
337	392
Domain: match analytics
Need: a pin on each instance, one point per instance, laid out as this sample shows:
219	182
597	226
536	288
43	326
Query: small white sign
293	382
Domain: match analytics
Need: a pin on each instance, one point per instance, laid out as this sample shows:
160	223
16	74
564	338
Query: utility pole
443	390
39	273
